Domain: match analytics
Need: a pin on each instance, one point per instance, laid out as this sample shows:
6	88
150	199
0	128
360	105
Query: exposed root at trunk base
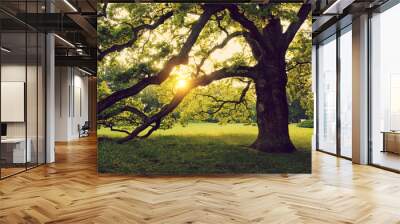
267	146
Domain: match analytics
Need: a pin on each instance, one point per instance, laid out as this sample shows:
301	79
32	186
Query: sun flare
181	84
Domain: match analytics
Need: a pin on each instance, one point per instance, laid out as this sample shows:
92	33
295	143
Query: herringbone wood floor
70	191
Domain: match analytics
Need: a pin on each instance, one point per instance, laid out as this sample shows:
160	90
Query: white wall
71	102
62	81
33	126
12	73
80	96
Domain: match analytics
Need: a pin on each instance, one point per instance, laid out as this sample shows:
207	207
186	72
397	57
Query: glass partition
334	93
22	77
14	145
41	98
327	95
385	89
32	98
346	92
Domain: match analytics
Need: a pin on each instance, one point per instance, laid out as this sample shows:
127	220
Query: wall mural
204	88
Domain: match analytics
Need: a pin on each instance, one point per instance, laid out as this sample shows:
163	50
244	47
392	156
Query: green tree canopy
149	54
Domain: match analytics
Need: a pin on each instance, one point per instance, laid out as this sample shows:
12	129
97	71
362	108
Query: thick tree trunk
272	109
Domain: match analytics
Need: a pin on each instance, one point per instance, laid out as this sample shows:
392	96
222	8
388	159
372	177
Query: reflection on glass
385	92
346	93
41	99
327	95
22	90
31	97
14	150
394	102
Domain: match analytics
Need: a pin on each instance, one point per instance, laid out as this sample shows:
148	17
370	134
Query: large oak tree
187	35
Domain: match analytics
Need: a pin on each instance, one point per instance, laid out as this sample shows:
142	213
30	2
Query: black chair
84	130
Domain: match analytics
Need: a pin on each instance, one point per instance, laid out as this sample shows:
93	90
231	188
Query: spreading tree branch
111	127
128	108
223	102
297	63
135	35
152	129
237	71
161	76
118	130
245	22
292	29
254	46
218	19
216	47
103	11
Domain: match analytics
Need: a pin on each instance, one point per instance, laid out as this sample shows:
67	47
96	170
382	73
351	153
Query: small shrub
306	124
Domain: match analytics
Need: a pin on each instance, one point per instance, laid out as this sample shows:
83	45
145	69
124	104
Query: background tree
166	50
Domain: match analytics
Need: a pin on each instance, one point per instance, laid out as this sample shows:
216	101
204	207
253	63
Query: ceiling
73	21
329	15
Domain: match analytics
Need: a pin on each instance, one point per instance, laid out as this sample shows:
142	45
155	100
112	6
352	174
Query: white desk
19	154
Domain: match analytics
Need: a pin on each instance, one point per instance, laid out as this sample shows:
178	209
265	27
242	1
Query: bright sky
185	71
220	55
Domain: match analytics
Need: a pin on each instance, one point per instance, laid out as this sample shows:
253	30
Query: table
391	141
16	153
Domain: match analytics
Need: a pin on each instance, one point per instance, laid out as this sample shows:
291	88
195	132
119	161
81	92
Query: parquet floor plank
71	191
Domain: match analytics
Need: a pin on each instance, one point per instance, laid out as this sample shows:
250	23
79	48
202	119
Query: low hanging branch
128	108
222	102
102	118
152	129
296	64
111	127
118	130
157	123
237	71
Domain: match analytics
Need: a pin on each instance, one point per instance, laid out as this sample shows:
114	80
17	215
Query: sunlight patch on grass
201	148
231	133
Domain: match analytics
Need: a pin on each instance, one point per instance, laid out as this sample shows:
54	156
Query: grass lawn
201	148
